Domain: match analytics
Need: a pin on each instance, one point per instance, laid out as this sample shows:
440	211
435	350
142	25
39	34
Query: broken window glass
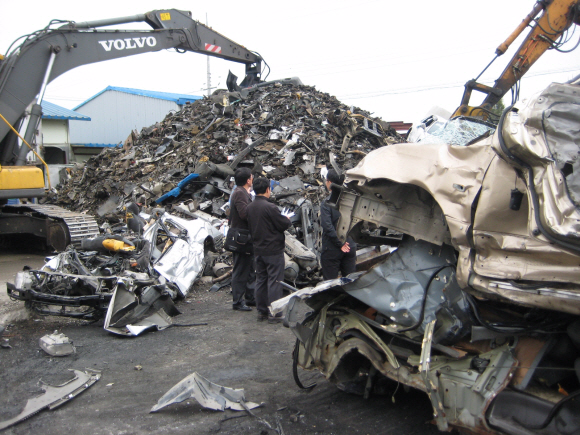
457	131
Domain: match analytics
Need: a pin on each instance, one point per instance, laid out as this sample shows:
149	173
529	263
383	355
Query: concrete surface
233	350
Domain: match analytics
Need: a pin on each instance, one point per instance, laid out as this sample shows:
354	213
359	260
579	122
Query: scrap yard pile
162	201
286	132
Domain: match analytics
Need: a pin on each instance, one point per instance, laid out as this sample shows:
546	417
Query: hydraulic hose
419	321
558	240
551	414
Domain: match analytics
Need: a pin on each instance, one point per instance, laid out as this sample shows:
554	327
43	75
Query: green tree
498	108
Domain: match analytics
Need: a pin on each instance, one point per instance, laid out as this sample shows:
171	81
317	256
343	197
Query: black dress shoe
275	319
251	303
241	307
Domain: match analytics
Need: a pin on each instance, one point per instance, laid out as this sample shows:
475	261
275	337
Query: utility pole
208	73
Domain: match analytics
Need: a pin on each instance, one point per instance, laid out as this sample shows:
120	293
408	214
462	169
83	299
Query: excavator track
58	226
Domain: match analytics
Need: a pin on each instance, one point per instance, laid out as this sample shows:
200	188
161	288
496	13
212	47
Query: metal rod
105	22
477	78
288	286
46	77
35	113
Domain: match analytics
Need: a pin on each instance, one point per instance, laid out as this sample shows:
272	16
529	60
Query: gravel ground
233	350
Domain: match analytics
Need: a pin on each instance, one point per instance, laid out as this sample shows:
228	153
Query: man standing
267	226
336	256
243	272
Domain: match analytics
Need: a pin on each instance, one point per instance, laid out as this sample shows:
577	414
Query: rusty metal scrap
288	133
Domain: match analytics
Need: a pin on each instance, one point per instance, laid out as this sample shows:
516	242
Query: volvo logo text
128	43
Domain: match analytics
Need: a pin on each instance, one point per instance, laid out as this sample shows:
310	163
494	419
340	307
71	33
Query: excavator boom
25	72
46	54
557	17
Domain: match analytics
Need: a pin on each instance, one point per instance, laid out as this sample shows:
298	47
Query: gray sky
396	59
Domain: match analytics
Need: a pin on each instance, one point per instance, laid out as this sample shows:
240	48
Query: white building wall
55	131
114	114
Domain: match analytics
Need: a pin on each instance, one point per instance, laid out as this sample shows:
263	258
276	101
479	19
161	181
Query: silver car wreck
132	287
479	305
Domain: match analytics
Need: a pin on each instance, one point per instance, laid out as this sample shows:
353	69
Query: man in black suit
267	226
243	274
336	256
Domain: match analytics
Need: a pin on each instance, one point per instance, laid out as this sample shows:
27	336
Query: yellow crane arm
557	17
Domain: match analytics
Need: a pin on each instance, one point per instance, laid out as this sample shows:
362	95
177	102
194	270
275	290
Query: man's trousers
243	278
269	274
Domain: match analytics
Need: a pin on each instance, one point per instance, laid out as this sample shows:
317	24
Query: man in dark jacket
336	256
243	274
267	226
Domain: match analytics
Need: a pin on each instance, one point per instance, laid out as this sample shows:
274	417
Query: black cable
534	195
265	63
550	24
511	329
567	36
482	322
419	322
550	415
544	30
568	51
295	369
563	38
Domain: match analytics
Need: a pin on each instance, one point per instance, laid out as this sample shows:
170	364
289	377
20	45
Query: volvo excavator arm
46	54
557	16
25	73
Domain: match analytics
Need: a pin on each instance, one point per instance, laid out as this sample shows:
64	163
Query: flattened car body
479	305
184	259
460	195
134	288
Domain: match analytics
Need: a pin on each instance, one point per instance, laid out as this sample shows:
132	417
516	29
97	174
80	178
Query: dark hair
242	175
333	177
261	185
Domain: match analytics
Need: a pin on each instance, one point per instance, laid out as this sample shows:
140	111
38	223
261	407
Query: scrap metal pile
283	131
185	164
162	201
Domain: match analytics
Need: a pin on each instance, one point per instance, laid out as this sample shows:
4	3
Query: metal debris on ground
130	280
208	394
4	341
56	344
55	396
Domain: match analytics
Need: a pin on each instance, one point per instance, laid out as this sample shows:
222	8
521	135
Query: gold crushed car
479	304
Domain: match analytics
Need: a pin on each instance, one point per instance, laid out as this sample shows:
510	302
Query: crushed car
129	279
479	304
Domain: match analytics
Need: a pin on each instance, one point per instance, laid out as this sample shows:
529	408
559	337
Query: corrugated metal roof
179	99
97	145
52	111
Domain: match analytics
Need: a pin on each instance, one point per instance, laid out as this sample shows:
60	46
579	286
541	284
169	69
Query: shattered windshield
458	131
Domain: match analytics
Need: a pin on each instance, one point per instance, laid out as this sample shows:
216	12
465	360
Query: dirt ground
233	350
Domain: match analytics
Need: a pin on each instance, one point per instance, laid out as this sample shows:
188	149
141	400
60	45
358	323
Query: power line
438	87
383	62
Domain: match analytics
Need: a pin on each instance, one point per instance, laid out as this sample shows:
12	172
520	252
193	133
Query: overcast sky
395	59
